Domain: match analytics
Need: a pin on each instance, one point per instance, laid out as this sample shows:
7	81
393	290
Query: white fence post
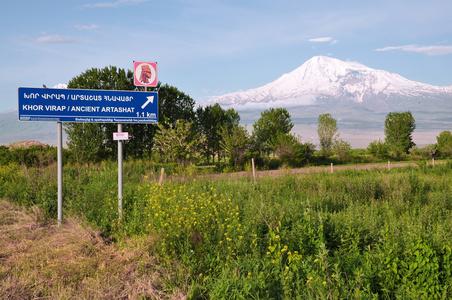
254	172
162	171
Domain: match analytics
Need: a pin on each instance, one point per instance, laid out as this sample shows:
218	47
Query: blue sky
210	48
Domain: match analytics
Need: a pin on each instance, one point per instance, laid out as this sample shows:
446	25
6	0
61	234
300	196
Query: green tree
234	142
444	143
209	121
86	140
173	105
94	141
327	132
398	130
271	123
178	141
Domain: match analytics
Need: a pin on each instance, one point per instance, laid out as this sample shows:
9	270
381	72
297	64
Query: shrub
378	149
291	151
429	151
342	148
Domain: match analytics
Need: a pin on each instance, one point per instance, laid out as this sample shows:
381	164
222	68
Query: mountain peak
60	86
324	77
332	66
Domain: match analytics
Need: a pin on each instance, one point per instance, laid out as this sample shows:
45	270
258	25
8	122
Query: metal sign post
87	106
60	173
120	173
120	136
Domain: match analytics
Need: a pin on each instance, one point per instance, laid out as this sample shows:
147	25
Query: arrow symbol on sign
150	99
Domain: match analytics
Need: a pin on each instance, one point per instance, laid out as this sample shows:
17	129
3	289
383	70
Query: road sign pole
89	106
60	173
120	172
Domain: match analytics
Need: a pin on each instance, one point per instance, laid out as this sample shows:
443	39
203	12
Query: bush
5	155
378	149
33	156
415	151
291	151
427	151
342	149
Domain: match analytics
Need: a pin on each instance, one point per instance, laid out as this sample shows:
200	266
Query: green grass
369	234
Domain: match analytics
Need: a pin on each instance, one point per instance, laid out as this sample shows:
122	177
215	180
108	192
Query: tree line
183	134
210	134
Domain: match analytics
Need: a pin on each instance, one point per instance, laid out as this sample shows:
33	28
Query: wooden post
331	167
161	176
433	162
389	165
254	172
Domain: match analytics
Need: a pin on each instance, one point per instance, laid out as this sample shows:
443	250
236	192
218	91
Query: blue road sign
93	106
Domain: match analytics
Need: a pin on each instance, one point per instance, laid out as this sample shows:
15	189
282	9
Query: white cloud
87	27
324	40
114	4
58	39
429	50
321	40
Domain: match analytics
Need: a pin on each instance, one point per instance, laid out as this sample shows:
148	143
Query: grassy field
351	234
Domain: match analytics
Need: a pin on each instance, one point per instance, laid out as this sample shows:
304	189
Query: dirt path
311	170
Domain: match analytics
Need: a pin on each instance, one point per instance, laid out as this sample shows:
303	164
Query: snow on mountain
60	86
357	96
324	77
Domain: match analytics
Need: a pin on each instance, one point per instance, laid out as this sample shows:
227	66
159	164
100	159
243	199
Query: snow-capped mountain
323	78
357	96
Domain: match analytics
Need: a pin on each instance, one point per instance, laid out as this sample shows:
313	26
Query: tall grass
41	261
348	235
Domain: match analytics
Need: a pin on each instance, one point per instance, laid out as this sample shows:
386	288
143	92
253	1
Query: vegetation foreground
40	261
368	234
